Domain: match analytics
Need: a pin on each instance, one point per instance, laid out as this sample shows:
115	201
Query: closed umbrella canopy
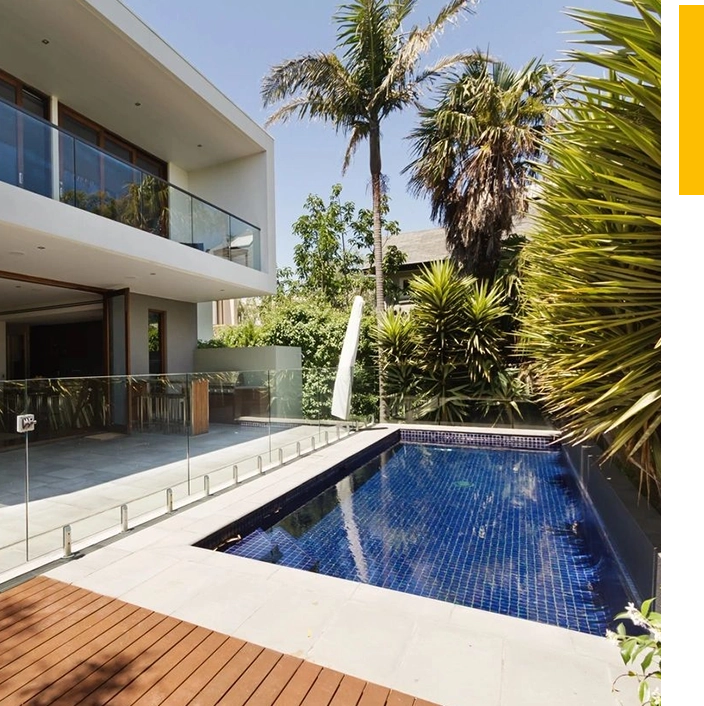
342	392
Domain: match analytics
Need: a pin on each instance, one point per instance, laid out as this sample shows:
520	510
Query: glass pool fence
109	453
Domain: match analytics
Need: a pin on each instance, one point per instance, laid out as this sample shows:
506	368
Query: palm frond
316	86
592	263
474	152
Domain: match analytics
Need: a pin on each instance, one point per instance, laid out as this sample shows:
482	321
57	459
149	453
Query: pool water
501	530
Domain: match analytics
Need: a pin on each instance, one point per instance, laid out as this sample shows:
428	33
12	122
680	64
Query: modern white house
133	194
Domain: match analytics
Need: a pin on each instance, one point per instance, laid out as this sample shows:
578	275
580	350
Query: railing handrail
76	138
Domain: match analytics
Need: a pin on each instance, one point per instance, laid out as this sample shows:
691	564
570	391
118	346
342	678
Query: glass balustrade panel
92	179
211	229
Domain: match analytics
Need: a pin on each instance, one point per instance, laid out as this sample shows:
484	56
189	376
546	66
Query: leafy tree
335	243
318	328
324	260
592	264
473	154
374	74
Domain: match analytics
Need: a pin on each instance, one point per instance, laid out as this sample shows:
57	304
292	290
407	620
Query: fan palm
375	73
592	264
473	152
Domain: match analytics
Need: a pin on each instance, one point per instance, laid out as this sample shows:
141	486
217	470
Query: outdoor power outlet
25	423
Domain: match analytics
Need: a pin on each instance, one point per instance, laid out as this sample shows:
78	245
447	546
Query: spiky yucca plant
592	265
449	350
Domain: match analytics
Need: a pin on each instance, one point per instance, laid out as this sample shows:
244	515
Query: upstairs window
25	145
95	134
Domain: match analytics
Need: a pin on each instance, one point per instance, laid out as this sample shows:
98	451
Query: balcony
42	158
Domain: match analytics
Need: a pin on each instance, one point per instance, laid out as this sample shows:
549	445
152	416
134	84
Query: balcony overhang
101	60
43	238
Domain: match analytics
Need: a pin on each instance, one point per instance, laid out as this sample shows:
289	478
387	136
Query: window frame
21	86
103	133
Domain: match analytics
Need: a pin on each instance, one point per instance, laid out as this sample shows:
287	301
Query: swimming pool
503	530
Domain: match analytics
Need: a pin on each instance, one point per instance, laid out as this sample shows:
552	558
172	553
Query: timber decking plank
31	668
349	692
251	679
120	657
91	659
276	681
137	666
44	638
205	673
72	646
44	595
22	617
223	680
373	695
56	680
324	688
26	588
299	685
396	698
170	682
167	662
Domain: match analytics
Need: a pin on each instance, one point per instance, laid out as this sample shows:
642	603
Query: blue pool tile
499	529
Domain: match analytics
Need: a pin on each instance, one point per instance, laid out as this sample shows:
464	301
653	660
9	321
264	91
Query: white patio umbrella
342	392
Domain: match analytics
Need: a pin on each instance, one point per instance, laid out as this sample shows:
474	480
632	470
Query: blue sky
234	43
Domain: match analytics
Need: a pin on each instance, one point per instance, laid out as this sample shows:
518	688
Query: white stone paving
448	654
83	482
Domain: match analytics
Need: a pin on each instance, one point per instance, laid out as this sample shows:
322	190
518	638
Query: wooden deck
60	644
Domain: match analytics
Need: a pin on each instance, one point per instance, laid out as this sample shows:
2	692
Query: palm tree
473	152
374	74
591	273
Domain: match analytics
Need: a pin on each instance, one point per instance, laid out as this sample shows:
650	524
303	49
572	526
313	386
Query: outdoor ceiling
28	302
97	69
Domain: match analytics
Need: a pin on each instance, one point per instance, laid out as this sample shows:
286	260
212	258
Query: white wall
277	368
213	360
245	188
181	333
205	321
85	248
177	176
3	350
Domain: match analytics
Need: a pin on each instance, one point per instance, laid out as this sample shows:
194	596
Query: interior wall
181	333
66	350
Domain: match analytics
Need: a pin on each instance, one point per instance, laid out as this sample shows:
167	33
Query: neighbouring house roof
420	245
423	246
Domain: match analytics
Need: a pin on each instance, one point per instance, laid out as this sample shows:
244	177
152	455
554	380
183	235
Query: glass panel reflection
102	183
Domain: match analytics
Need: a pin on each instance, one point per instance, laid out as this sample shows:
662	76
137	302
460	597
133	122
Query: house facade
423	247
133	194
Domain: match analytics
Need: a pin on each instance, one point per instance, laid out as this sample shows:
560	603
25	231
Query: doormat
106	436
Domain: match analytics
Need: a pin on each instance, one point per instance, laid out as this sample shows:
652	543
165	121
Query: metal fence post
67	540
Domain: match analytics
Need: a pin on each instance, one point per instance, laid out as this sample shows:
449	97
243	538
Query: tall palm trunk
375	169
